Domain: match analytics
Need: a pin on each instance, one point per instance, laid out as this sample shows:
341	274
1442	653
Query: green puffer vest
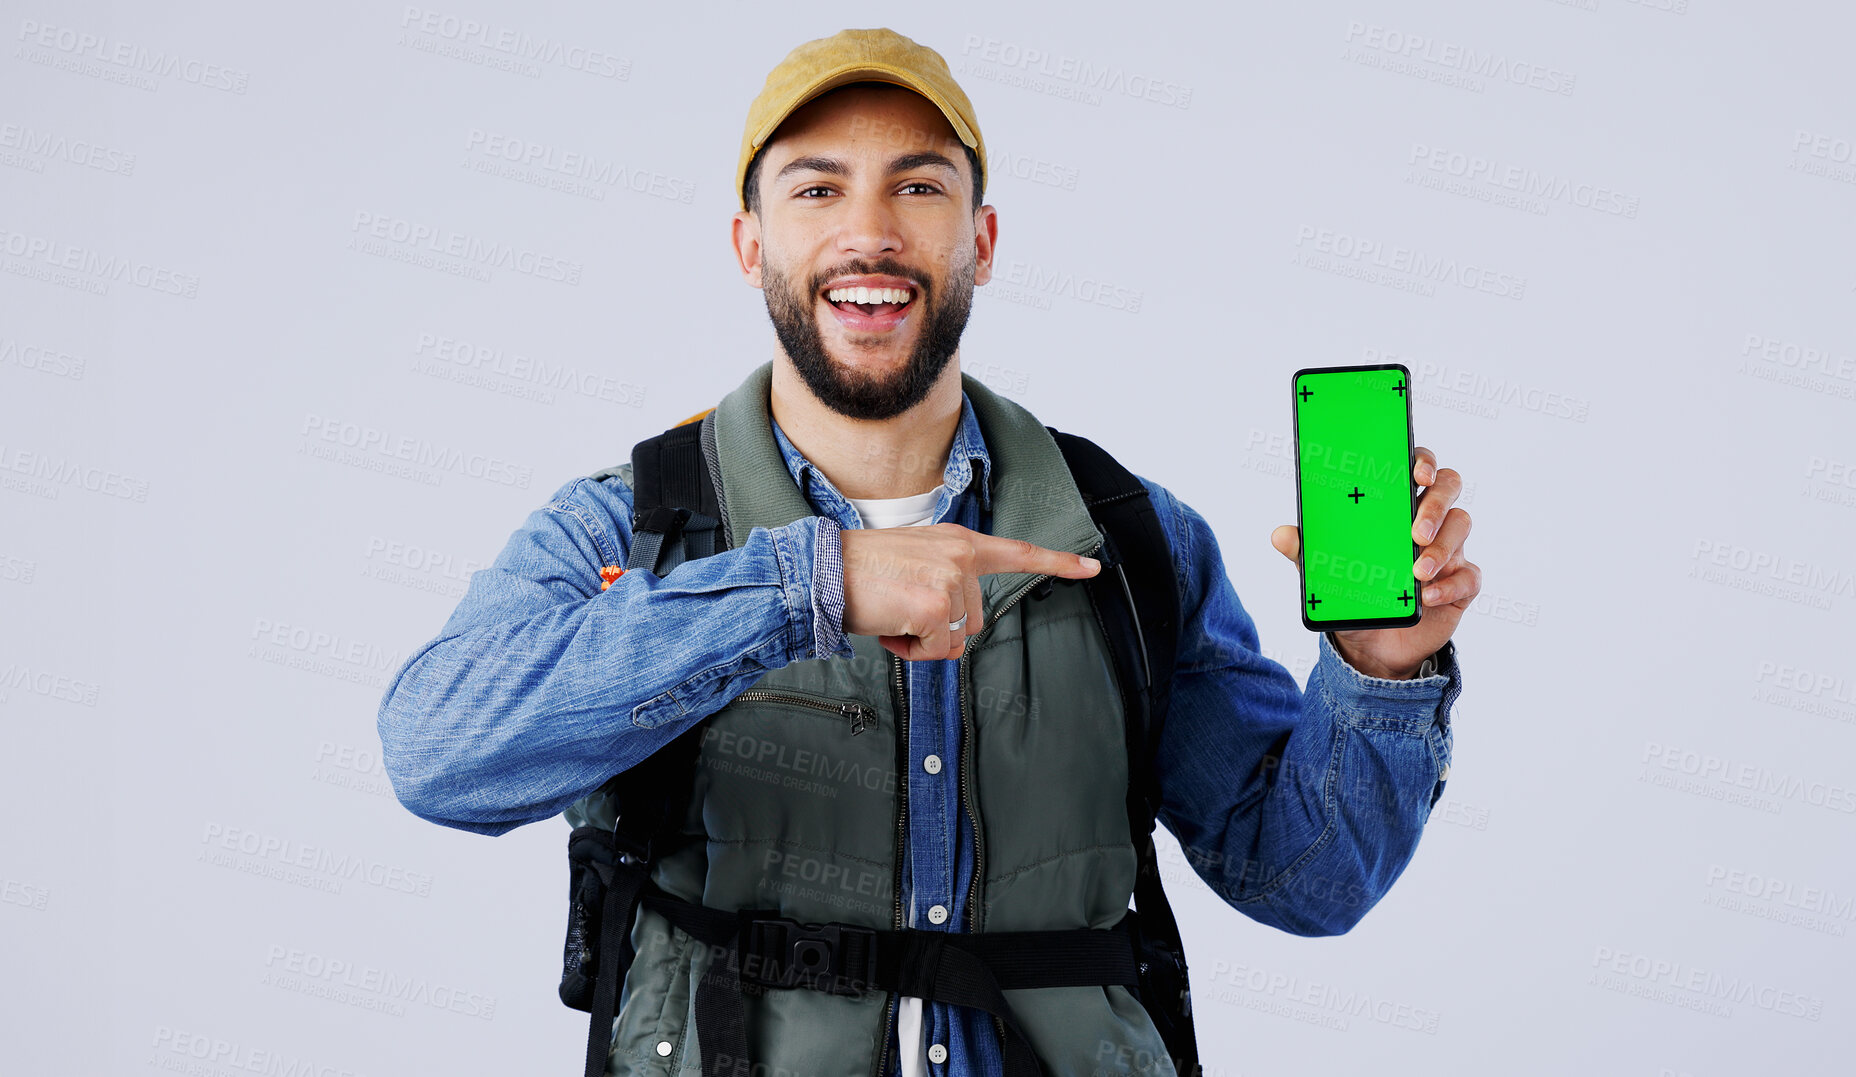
799	804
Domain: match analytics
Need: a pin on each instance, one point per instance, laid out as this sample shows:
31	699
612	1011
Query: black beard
796	324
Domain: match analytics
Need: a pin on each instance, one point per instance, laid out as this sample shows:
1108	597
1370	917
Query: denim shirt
1297	807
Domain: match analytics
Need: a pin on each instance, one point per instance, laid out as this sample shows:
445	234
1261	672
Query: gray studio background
1612	239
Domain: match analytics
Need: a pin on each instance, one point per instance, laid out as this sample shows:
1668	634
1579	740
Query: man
896	536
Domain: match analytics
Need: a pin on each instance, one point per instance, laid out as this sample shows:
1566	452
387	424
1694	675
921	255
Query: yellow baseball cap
880	55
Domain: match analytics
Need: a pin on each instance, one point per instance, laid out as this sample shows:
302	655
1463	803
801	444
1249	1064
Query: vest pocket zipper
860	715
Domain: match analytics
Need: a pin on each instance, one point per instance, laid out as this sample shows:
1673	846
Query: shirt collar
966	458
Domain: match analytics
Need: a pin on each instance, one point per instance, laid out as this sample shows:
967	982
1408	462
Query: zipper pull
859	715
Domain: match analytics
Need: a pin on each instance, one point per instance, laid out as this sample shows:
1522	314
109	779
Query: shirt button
663	1047
937	1054
937	914
932	764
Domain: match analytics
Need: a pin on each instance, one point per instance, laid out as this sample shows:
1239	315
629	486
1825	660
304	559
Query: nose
868	226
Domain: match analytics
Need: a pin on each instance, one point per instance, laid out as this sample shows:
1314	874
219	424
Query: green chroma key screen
1354	496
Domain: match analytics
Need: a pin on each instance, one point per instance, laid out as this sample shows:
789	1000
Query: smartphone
1354	496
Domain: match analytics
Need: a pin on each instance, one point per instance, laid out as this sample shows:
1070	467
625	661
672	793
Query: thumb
1288	541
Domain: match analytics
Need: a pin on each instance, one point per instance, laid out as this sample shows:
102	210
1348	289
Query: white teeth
868	295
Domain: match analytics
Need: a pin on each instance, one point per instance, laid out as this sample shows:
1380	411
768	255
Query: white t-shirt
911	511
907	511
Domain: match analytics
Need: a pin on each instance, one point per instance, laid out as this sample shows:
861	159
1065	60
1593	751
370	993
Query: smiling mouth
870	302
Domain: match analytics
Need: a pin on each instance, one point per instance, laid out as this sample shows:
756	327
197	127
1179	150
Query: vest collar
1033	496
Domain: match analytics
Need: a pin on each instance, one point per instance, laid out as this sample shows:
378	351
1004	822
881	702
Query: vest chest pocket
796	794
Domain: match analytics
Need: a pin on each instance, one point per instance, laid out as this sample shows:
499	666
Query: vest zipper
966	748
860	715
966	796
902	828
968	734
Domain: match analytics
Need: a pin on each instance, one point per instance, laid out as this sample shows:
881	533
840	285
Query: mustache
884	266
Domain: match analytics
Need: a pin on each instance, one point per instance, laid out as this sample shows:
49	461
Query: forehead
865	119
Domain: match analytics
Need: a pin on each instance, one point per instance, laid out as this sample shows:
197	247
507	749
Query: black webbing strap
759	949
624	879
721	1013
649	803
650	530
655	533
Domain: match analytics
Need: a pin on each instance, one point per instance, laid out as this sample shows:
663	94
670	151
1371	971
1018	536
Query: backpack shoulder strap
676	512
1136	598
1137	563
676	516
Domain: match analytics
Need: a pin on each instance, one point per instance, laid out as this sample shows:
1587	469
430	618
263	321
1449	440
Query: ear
744	233
985	237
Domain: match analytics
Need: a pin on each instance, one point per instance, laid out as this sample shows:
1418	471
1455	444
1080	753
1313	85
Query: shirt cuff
1420	705
828	638
1433	695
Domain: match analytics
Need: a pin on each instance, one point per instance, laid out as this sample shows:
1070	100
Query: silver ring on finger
955	626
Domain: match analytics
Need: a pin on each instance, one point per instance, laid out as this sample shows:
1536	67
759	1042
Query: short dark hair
750	184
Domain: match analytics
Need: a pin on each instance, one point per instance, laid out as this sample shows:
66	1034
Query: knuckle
922	608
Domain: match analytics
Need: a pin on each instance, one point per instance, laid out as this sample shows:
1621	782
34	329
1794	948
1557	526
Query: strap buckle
661	519
836	958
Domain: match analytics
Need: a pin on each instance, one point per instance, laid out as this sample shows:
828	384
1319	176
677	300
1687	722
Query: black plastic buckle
837	958
665	520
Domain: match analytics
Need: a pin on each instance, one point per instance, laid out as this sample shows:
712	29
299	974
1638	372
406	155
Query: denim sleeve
1298	808
541	686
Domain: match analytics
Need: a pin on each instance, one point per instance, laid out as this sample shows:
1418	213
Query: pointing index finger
995	553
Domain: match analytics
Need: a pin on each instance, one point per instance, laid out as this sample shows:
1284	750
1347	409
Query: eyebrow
926	159
834	167
829	165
